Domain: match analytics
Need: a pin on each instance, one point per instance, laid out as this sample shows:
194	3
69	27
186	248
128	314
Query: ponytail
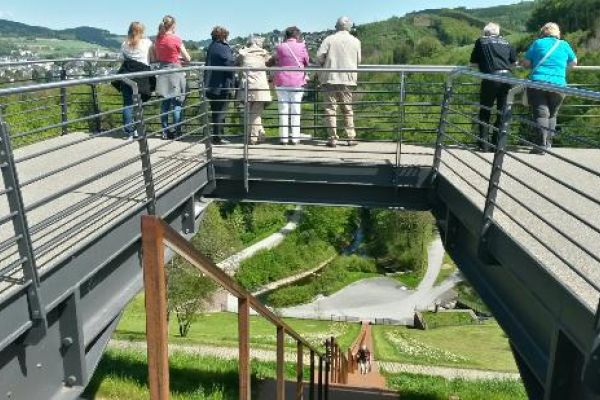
168	22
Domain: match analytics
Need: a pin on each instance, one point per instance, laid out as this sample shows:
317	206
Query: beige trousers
255	126
339	95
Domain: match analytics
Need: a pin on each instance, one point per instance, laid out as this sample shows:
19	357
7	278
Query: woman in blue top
548	57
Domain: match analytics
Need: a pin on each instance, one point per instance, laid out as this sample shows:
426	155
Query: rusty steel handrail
156	234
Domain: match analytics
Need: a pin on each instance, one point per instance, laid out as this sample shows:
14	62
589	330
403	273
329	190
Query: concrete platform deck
87	208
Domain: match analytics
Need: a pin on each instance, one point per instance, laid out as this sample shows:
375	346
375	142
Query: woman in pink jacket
291	53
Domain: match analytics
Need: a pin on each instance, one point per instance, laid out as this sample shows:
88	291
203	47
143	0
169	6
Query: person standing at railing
257	84
219	84
136	53
340	51
292	53
169	51
492	54
548	57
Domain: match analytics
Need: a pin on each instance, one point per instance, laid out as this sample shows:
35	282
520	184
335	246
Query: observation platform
524	229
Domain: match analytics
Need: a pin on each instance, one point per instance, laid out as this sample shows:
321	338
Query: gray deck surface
72	219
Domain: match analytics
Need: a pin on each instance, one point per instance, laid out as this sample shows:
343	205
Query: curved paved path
379	298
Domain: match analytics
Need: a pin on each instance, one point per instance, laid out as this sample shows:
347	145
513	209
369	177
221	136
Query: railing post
496	172
334	360
327	367
401	118
246	163
320	380
21	227
155	290
207	128
311	390
64	110
280	363
299	371
439	143
144	148
95	100
315	110
244	347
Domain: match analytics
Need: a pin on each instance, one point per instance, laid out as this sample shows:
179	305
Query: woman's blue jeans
128	111
165	109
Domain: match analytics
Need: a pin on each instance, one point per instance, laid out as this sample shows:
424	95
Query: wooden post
300	371
155	290
280	363
311	391
320	380
244	347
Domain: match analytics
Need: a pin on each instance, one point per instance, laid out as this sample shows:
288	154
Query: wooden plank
244	347
280	363
299	371
155	290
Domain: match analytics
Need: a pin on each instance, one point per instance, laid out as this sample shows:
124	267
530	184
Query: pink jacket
285	59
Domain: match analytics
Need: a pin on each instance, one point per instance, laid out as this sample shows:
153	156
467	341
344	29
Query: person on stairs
364	359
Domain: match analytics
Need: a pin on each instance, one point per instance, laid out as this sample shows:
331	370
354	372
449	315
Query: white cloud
6	15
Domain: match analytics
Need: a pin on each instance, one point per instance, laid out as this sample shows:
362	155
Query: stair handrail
156	235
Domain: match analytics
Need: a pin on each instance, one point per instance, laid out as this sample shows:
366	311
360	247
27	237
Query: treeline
395	241
571	15
322	232
225	229
399	240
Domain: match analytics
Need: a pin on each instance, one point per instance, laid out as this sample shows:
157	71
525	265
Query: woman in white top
136	52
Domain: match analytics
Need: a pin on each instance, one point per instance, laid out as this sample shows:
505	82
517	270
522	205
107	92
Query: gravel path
231	353
381	297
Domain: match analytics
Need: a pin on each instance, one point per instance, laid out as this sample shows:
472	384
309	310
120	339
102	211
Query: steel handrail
156	234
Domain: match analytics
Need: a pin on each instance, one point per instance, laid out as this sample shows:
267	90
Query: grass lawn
411	279
448	268
417	387
123	375
448	318
468	296
472	346
221	329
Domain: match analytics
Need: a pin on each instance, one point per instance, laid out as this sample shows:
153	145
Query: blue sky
196	17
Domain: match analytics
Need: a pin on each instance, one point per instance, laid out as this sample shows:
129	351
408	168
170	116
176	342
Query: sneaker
352	143
538	151
294	142
331	143
136	134
219	141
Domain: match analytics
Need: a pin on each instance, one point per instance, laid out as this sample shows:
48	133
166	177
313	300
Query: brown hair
135	33
292	32
168	22
219	34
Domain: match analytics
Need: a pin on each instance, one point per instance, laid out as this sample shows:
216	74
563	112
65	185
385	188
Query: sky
195	18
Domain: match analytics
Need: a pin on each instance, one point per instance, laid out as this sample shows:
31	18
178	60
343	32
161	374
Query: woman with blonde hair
136	53
169	51
257	84
548	57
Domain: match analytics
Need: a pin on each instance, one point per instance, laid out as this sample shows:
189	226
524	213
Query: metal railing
68	175
156	235
548	203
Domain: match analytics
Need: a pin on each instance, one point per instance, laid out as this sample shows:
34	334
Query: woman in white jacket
257	84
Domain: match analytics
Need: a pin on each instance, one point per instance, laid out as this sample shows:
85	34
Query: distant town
21	65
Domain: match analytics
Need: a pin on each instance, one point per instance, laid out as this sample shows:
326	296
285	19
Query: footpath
262	354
